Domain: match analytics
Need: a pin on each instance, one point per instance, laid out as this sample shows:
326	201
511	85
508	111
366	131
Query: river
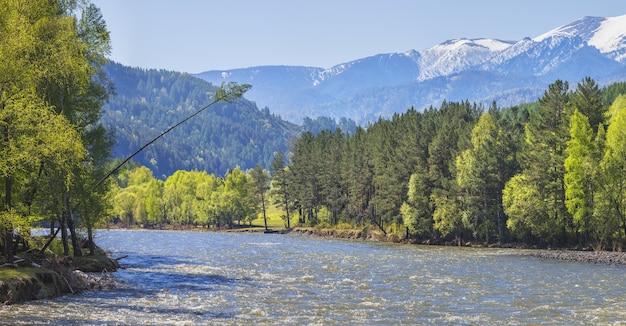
198	278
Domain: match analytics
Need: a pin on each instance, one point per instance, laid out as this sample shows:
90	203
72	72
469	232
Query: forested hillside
225	136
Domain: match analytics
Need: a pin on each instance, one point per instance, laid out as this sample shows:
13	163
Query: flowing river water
197	278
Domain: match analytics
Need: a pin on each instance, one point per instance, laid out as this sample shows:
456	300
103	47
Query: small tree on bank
261	183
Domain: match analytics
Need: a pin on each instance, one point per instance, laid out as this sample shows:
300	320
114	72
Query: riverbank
375	234
34	276
596	257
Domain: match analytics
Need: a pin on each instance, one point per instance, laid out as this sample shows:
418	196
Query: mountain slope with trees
225	136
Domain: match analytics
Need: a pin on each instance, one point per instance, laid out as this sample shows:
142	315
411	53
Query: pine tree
543	158
261	183
281	185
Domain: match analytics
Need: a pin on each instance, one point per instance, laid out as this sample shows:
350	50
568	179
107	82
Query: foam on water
234	279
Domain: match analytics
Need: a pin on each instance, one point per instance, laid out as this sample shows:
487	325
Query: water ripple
235	279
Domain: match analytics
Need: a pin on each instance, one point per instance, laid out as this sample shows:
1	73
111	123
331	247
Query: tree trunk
8	245
75	241
8	234
92	247
53	235
263	206
64	240
8	185
288	218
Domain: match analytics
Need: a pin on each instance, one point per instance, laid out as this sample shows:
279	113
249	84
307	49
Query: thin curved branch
226	92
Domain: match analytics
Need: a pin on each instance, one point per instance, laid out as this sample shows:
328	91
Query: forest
549	173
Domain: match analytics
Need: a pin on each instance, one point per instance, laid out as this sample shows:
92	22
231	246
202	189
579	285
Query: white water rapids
197	278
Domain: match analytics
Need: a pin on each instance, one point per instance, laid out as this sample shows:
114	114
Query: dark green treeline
547	173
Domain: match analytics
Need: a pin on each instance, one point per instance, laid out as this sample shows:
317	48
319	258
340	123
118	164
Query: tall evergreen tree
261	183
543	158
587	99
281	184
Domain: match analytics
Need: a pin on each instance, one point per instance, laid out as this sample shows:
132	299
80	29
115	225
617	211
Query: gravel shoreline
596	257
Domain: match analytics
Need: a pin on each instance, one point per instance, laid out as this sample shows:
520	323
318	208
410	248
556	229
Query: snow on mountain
458	55
585	28
607	34
381	68
610	38
511	72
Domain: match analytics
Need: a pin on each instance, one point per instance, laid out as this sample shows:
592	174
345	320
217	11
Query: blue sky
199	35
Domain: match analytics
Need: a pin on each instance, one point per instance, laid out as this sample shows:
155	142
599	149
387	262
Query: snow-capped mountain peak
607	34
584	28
610	37
457	55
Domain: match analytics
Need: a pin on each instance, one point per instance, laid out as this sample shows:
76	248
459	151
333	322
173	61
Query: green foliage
543	157
319	124
611	92
525	208
416	211
260	182
587	98
231	133
50	101
280	186
581	171
617	106
613	181
528	173
187	198
538	173
447	217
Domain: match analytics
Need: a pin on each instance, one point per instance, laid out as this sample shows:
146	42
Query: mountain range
479	70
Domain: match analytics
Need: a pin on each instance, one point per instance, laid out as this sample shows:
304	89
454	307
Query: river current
198	278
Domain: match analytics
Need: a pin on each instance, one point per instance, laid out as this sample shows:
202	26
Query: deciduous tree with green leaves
581	173
613	181
49	85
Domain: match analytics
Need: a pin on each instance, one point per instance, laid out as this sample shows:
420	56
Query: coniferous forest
548	173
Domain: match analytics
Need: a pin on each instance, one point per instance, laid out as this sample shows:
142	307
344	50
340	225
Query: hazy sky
198	35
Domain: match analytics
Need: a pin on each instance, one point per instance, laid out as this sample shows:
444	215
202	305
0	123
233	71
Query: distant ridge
480	70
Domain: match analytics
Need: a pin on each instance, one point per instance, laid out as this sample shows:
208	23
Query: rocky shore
596	257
